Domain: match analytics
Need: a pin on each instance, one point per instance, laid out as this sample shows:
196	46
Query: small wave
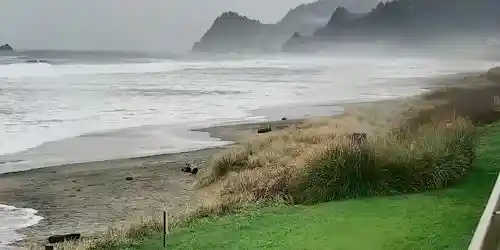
53	68
9	161
44	69
36	61
17	70
189	92
13	219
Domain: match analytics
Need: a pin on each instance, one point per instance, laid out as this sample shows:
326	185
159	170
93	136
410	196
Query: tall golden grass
323	167
434	157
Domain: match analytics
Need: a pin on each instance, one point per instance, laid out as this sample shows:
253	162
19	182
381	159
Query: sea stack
6	47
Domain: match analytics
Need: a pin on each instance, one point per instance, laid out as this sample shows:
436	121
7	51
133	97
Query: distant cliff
6	47
307	18
410	19
416	23
232	32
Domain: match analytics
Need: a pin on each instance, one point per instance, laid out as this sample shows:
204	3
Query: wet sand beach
89	198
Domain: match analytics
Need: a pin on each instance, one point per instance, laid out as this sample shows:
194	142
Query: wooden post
164	229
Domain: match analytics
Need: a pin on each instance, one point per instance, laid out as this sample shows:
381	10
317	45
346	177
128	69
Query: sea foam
13	219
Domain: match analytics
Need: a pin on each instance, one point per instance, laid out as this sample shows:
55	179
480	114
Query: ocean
88	106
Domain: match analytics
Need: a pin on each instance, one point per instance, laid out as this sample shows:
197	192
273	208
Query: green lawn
442	219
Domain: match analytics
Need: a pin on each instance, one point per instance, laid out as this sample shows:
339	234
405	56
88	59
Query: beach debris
194	171
190	167
62	238
284	119
265	130
129	178
187	167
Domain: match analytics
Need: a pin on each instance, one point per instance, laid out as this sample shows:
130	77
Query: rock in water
6	47
194	171
63	238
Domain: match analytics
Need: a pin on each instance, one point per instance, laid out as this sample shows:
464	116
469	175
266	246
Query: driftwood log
264	130
190	167
62	238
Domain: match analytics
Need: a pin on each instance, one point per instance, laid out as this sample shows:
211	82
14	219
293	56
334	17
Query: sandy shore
89	198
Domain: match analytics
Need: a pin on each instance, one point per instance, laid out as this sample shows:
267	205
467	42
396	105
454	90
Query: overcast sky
169	25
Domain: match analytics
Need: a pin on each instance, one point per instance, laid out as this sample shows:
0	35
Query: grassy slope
442	219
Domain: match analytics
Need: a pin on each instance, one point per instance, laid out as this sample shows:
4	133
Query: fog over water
65	98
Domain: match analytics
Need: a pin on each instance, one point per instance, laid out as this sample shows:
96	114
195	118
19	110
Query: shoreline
224	133
90	197
150	140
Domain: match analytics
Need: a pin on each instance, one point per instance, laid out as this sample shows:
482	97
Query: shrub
434	157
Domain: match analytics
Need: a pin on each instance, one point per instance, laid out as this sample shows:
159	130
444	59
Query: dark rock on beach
190	167
194	171
63	238
264	130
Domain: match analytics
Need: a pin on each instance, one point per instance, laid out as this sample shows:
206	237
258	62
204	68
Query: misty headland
443	27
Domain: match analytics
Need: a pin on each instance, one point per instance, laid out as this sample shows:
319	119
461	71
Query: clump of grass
277	149
436	156
231	160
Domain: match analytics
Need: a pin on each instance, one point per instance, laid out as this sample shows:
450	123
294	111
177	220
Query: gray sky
169	25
